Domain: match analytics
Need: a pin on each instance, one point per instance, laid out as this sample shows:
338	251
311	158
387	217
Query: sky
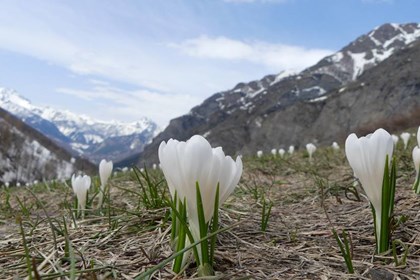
122	60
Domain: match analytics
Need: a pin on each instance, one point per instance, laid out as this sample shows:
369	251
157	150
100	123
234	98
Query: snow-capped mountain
367	51
27	155
81	134
281	109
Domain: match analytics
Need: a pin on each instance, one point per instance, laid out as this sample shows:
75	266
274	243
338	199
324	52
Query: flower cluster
193	163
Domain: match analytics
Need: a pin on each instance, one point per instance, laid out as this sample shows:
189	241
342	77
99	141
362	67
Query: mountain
373	81
27	155
80	134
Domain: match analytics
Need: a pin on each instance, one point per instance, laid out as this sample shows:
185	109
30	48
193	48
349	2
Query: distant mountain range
374	81
26	155
81	135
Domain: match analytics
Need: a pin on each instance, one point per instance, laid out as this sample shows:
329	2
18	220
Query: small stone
380	274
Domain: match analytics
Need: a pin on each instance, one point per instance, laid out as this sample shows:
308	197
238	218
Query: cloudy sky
158	58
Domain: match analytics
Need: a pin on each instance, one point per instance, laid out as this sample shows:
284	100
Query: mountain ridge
79	134
242	119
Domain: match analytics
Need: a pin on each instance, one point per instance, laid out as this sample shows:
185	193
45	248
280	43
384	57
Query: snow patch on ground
320	90
282	75
318	99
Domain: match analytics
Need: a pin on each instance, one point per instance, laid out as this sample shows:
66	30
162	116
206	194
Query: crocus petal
395	139
168	160
418	137
236	176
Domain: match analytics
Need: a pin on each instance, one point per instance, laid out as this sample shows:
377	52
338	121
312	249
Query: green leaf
203	225
215	225
416	186
183	222
181	240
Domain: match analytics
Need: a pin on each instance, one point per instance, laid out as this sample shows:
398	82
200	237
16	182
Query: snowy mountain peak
80	133
367	51
10	96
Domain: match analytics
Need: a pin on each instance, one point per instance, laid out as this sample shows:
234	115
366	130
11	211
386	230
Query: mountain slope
81	135
27	155
280	111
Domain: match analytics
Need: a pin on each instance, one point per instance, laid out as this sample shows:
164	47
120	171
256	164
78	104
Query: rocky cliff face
371	82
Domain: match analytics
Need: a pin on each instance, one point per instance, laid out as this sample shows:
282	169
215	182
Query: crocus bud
81	186
367	156
311	148
335	146
291	150
282	152
105	171
274	152
259	154
405	136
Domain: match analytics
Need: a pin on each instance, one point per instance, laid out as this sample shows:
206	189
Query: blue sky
158	58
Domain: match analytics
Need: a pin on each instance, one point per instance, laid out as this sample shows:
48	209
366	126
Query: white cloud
103	52
115	103
275	56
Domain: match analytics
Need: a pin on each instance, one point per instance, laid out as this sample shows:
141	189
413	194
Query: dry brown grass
298	243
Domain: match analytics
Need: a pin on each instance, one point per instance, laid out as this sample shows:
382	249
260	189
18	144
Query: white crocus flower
395	138
416	160
310	148
105	171
186	163
80	187
259	154
405	136
366	156
335	146
274	152
154	166
291	150
282	152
